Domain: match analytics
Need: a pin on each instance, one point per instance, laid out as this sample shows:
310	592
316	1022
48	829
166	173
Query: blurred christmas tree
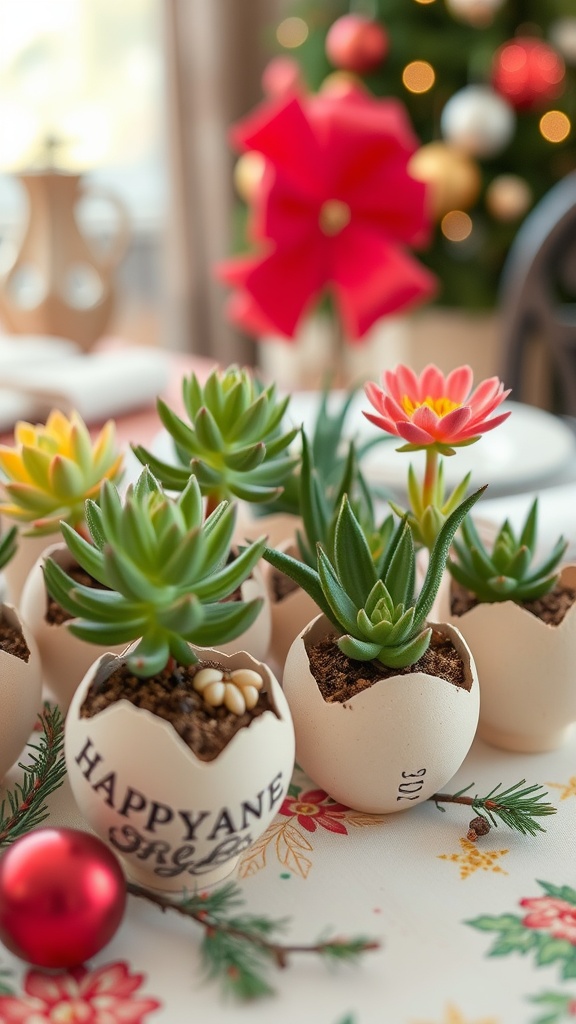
490	86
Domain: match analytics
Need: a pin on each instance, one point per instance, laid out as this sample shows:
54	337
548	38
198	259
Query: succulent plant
508	572
328	451
167	571
320	505
374	606
53	468
233	442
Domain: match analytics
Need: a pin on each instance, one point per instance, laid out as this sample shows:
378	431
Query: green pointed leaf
105	633
37	464
61	587
225	622
221	584
408	653
530	528
93	517
183	617
551	562
303	575
244	460
208	433
172	477
65	478
191	505
88	556
127	578
111	511
439	556
193	395
358	650
249	425
184	435
354	565
401	570
343	608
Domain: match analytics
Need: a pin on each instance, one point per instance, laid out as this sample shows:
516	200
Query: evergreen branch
515	807
237	950
24	807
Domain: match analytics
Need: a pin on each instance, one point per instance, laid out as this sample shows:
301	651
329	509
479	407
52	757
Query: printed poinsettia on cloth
334	209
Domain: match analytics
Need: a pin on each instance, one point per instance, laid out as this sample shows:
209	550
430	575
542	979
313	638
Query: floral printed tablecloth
471	933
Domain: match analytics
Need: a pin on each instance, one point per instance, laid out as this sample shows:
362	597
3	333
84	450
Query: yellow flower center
309	809
334	216
441	406
74	1012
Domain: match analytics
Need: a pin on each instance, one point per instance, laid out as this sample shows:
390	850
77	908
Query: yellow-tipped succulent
52	468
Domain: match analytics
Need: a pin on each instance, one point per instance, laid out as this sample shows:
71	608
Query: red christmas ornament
528	72
356	43
281	76
62	897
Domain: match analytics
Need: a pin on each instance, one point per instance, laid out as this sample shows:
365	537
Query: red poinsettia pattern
106	995
315	809
555	915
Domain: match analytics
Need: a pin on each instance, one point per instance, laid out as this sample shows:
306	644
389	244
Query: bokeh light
456	225
418	76
555	126
292	32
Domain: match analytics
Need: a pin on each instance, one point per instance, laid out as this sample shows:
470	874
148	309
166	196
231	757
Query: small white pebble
251	695
246	677
214	693
206	676
234	700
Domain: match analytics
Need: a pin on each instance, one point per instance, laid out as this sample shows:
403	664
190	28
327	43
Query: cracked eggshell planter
177	822
20	693
526	669
390	746
65	658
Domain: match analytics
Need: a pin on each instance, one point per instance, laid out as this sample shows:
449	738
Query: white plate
528	448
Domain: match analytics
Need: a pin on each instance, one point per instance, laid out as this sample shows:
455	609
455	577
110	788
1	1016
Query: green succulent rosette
233	441
166	571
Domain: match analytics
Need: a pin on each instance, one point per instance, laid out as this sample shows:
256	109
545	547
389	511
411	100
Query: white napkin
97	385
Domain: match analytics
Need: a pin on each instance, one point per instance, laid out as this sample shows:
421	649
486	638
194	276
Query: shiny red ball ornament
356	43
62	897
528	72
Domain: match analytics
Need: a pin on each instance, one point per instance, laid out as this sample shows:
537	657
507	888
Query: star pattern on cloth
473	859
454	1016
568	788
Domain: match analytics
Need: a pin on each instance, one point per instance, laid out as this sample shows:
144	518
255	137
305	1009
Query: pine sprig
517	807
238	949
24	807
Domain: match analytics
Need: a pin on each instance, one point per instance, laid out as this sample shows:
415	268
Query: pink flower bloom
336	208
315	808
79	996
434	411
553	915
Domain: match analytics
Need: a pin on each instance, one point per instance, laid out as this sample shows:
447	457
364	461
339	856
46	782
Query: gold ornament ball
508	197
453	178
248	174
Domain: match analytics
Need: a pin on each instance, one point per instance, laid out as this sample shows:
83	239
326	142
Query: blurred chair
538	303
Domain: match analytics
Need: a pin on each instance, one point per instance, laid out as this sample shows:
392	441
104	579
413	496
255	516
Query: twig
42	776
515	807
236	948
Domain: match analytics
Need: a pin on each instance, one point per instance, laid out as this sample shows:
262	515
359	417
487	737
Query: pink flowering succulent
434	411
437	414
